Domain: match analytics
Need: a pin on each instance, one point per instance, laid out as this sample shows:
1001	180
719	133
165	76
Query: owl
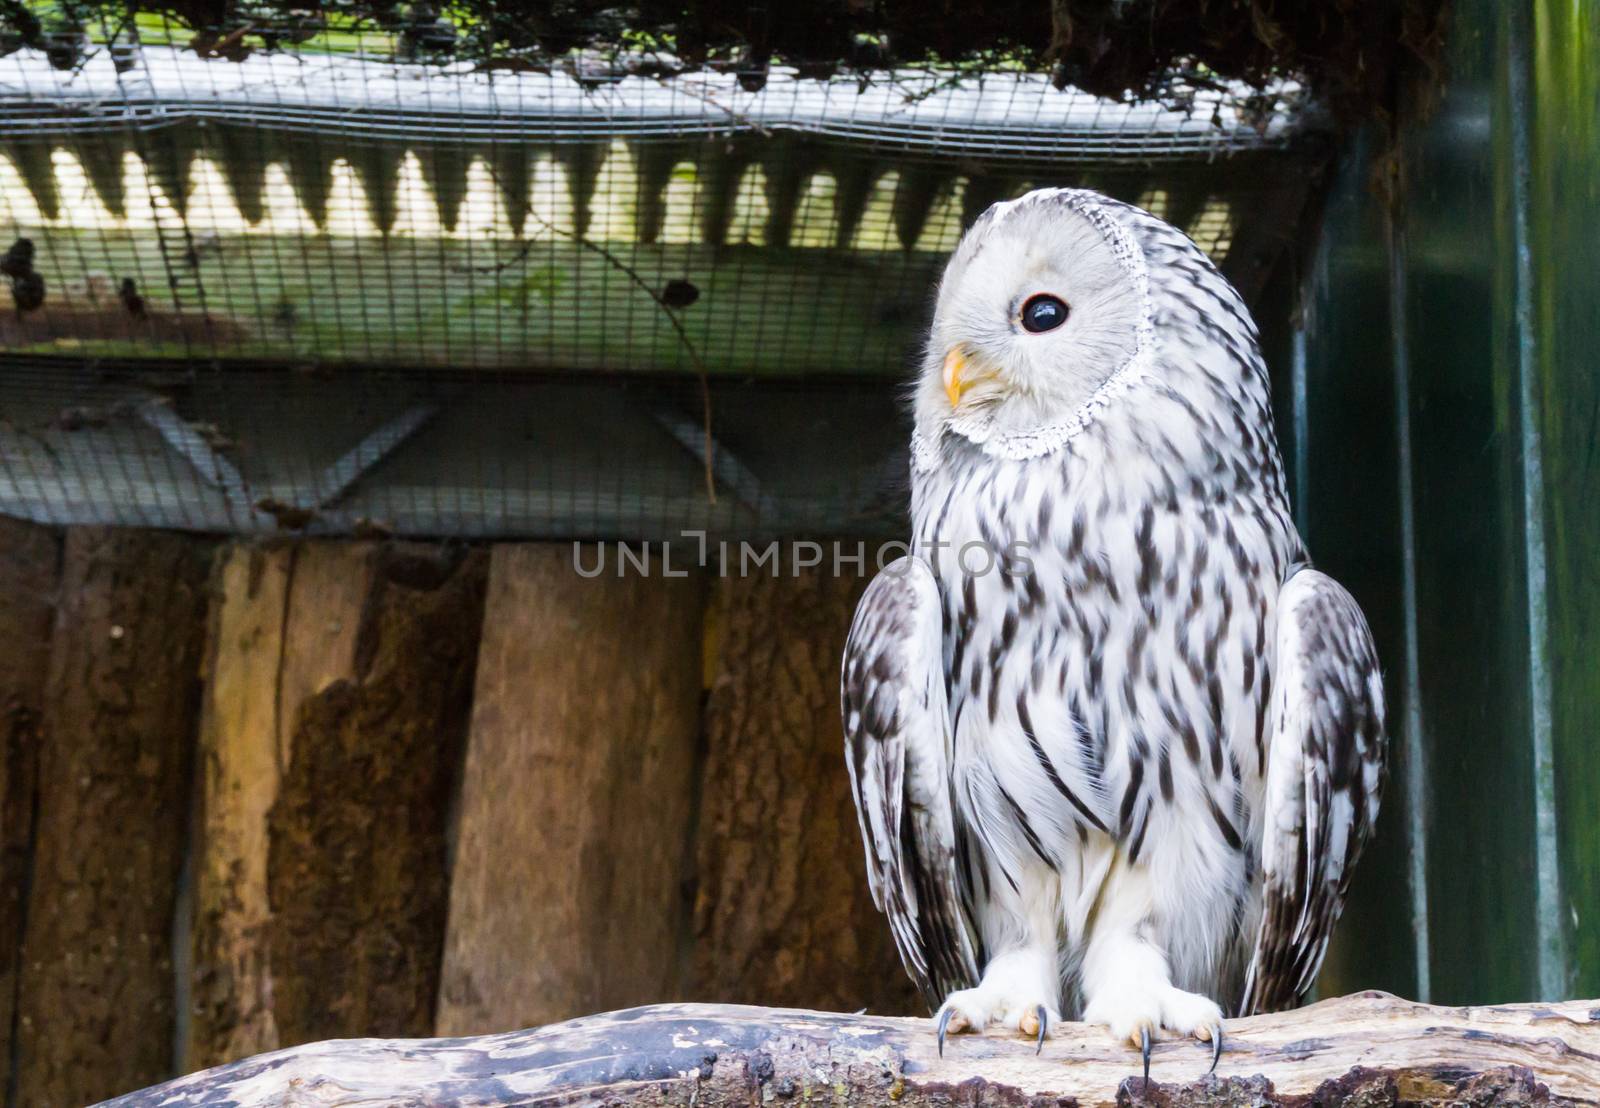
1114	744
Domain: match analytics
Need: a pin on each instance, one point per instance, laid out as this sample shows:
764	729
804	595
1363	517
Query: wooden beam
1369	1049
96	1005
340	676
567	885
726	466
213	467
341	476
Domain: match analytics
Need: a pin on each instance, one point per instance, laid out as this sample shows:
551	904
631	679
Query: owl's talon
1144	1049
1035	1023
944	1024
1214	1033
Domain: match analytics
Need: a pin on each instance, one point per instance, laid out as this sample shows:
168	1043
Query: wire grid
258	450
333	290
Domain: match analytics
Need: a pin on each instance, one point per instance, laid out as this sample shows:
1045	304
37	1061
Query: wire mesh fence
489	295
256	450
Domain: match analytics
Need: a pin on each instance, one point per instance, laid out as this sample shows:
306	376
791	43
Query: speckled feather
1145	674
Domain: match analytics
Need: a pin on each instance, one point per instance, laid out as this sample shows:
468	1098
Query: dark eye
1043	313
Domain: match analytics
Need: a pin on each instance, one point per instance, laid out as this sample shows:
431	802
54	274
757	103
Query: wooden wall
257	794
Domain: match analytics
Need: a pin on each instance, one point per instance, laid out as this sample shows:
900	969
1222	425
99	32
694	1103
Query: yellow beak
955	363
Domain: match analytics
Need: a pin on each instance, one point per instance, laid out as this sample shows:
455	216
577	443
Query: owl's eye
1043	313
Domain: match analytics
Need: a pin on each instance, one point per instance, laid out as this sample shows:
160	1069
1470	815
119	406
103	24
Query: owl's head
1040	305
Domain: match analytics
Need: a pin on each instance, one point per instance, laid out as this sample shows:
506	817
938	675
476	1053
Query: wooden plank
252	682
96	1002
357	862
1368	1049
783	915
30	567
340	677
576	796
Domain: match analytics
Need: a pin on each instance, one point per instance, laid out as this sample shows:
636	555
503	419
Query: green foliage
1356	53
541	283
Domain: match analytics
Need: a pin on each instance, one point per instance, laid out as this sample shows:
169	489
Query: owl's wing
1324	770
897	748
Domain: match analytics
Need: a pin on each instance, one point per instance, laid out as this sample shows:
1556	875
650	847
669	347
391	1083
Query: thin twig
703	94
498	267
633	275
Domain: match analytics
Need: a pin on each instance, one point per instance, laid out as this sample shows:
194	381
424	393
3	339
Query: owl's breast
1107	655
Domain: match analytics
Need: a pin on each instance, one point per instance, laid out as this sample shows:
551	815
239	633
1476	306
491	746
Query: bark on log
1369	1049
96	1001
30	568
340	679
782	912
576	800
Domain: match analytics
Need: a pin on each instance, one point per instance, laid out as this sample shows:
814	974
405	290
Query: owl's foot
997	1003
1137	1016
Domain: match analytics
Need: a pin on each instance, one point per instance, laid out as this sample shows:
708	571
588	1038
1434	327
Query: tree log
782	913
96	1004
1369	1049
576	797
340	685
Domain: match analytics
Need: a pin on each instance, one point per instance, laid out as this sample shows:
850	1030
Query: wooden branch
1369	1048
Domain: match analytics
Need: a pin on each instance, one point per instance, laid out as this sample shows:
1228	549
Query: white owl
1114	745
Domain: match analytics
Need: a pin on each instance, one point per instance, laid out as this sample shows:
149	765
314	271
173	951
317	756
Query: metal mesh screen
331	289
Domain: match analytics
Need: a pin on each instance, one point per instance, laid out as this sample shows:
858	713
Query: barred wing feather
897	749
1324	768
